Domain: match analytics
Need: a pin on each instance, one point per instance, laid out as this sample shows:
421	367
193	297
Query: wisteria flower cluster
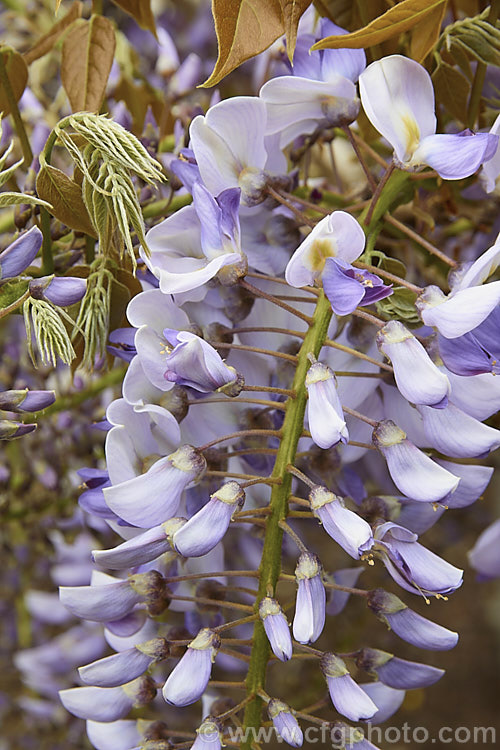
345	407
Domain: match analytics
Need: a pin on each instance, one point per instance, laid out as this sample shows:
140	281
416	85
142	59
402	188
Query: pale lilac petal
491	168
344	292
417	377
136	551
460	312
116	669
477	395
98	704
480	270
455	156
388	700
473	481
404	675
296	105
188	680
116	735
241	121
421	632
337	235
398	98
20	253
485	555
415	474
455	433
204	530
101	603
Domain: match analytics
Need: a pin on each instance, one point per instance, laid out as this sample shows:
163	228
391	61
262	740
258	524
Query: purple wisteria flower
285	722
310	611
347	696
60	290
324	410
337	235
413	566
276	627
26	400
141	548
347	287
20	254
194	363
387	699
485	555
409	625
187	682
150	499
115	599
413	472
417	377
208	735
348	529
197	242
397	673
124	666
207	527
398	97
320	92
108	704
231	149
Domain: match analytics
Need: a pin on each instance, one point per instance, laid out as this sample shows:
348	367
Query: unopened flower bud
276	627
187	682
25	400
209	735
325	415
11	430
207	527
20	253
348	529
310	605
348	698
60	290
285	722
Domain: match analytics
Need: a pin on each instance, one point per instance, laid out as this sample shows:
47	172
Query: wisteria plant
309	252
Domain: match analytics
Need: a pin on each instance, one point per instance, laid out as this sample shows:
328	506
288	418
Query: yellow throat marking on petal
412	133
320	250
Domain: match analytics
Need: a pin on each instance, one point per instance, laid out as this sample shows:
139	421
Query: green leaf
17	73
16	199
48	40
400	306
141	11
244	28
87	57
452	90
12	291
399	18
66	198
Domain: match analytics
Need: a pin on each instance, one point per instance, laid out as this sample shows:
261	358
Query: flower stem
419	240
270	298
369	176
270	566
385	178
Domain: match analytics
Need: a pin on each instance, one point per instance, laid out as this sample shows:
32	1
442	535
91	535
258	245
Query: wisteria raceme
301	385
